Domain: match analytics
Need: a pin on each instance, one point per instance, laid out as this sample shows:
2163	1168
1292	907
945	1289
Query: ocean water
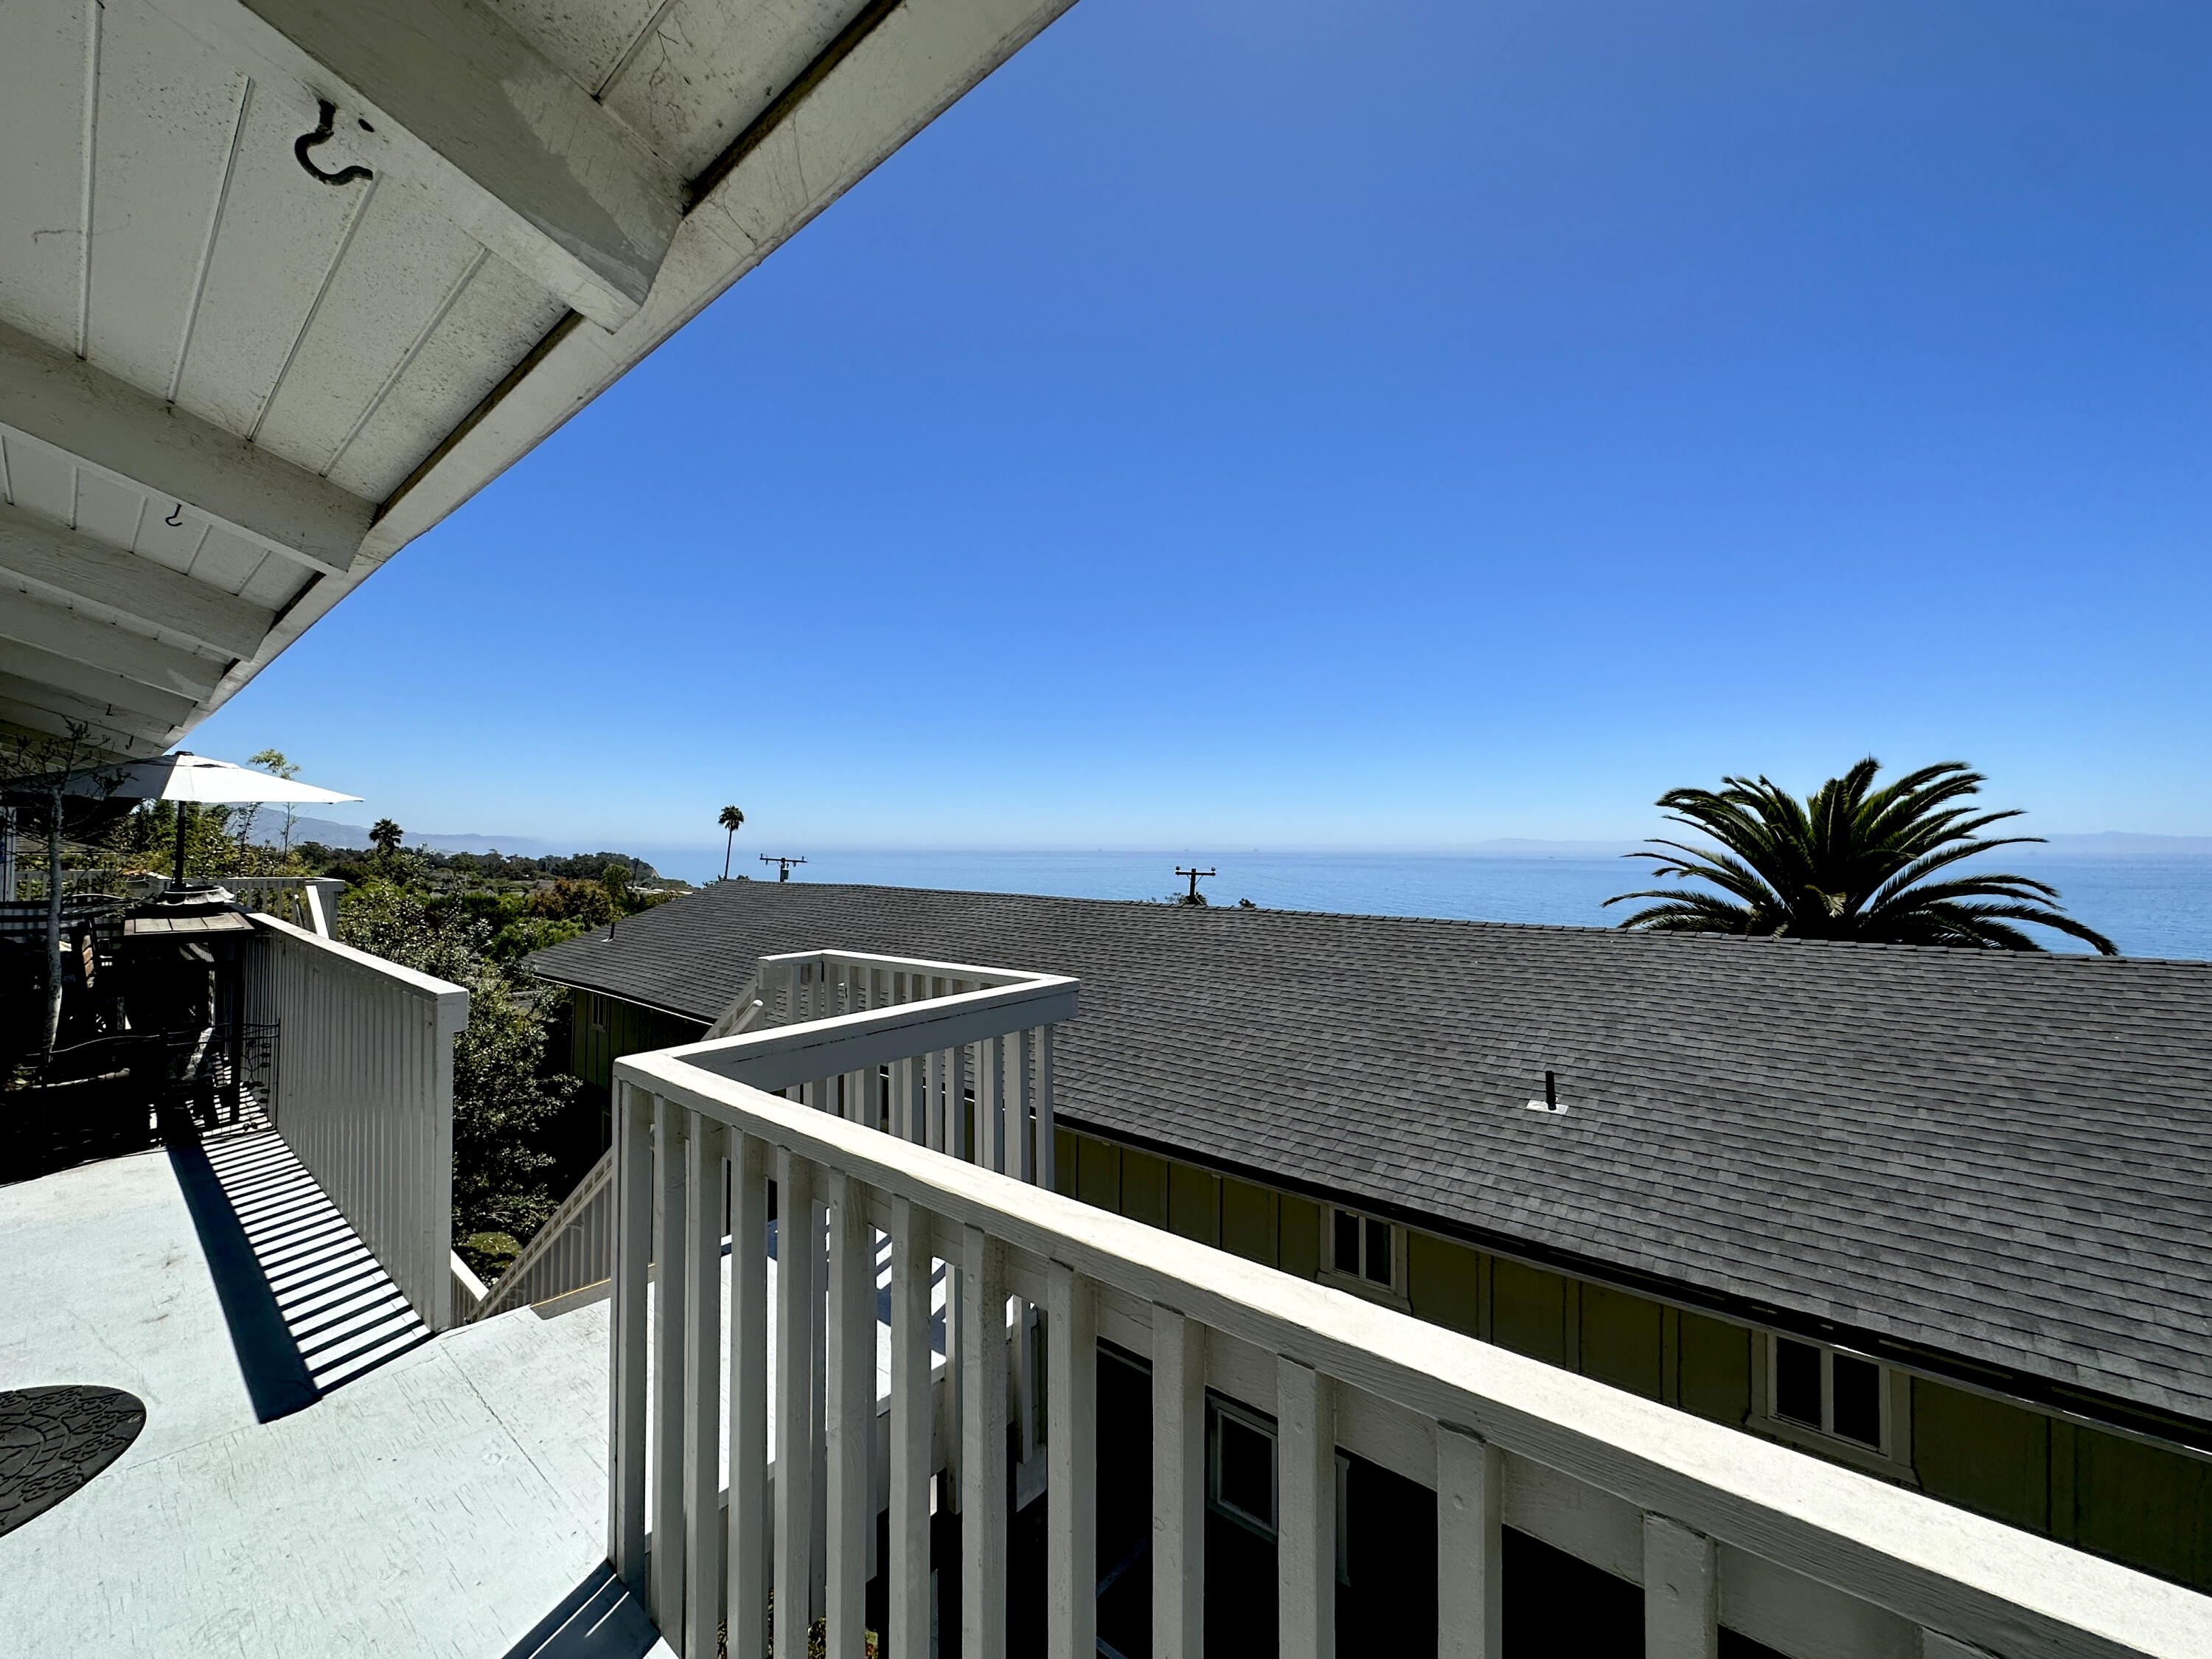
2149	905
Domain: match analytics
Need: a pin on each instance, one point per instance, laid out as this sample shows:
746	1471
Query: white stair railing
1726	1525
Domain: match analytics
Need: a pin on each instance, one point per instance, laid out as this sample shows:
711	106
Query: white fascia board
53	562
921	57
107	648
108	425
517	153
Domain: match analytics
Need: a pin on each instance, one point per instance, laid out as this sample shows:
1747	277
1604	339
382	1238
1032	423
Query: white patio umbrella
186	777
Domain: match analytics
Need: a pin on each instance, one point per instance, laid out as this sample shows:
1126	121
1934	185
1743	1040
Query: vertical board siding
362	1092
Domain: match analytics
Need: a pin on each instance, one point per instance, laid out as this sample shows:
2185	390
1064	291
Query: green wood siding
1443	1281
1194	1203
1247	1221
1622	1341
2139	1505
1144	1187
1067	1158
1099	1182
629	1030
1528	1310
1713	1369
1982	1453
2144	1505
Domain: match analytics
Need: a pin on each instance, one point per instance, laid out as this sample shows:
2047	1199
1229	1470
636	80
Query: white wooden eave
231	389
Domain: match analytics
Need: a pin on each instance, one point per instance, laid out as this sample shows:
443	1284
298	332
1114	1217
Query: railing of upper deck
1718	1526
363	1094
985	1095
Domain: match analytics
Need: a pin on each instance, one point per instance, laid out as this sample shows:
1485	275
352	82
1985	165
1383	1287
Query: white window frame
1392	1294
1893	1459
1219	1408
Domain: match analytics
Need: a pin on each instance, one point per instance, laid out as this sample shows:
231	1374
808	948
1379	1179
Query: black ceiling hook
307	140
176	516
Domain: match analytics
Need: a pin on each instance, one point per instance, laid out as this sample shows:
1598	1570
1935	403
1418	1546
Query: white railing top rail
451	999
919	965
783	1056
1972	1579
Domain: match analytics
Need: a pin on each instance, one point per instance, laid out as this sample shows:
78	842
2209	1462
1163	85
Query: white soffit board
284	282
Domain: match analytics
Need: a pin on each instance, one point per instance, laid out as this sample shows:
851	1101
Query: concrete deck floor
448	1500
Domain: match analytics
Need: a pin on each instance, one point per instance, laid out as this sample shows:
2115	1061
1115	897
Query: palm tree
386	836
731	820
1851	861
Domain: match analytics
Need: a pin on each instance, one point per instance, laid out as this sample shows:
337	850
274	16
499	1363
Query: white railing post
1072	1460
705	1142
1178	1485
747	1595
911	1424
990	1105
983	1453
796	1305
1047	1161
669	1247
1681	1592
1470	1496
1023	1046
627	1325
1305	1542
851	1388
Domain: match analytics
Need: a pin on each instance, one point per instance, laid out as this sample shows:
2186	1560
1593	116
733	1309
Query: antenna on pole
1192	898
782	865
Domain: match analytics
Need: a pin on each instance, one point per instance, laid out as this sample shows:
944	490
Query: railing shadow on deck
309	1307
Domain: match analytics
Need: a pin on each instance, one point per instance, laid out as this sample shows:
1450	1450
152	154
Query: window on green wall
1836	1394
598	1013
1370	1252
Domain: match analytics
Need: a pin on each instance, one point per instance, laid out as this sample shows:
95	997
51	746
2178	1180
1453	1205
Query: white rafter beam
96	685
103	647
894	72
521	156
41	709
99	422
54	564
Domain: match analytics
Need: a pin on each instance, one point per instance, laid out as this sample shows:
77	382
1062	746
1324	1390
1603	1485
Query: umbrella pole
179	880
53	920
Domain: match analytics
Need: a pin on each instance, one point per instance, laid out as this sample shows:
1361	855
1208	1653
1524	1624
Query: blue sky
1307	424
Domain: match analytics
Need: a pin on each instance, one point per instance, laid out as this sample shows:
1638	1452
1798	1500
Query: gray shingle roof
2002	1158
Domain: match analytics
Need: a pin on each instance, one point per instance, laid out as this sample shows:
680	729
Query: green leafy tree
1851	861
272	761
385	835
504	1100
731	820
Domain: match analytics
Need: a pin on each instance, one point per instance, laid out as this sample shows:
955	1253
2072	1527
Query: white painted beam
27	696
702	1383
107	647
627	1324
1681	1592
1071	1455
1470	1538
983	1452
804	153
53	562
98	685
519	154
670	1139
1305	1540
797	1305
110	426
849	1416
37	718
1178	1485
746	1602
911	1423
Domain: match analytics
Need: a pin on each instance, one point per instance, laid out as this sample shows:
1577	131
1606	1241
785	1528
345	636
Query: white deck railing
1718	1526
362	1092
306	901
997	1064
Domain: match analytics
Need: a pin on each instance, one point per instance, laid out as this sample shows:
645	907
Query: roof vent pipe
1550	1103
